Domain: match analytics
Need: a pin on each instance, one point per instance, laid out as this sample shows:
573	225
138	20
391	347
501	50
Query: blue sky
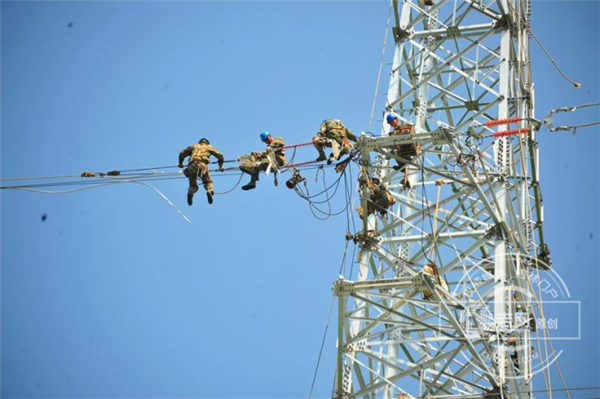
114	295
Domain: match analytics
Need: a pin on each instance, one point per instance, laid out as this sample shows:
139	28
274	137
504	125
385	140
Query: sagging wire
109	184
311	203
234	187
326	191
576	84
329	196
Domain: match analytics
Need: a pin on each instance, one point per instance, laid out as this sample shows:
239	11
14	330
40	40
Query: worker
335	135
432	270
379	198
198	167
405	151
273	157
514	351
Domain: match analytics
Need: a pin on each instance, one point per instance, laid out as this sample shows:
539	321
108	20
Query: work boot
249	186
209	196
339	168
190	199
341	154
322	156
399	166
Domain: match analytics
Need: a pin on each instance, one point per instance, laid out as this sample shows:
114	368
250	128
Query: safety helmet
391	117
204	140
264	135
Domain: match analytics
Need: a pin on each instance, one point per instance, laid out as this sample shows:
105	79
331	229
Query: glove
180	166
221	168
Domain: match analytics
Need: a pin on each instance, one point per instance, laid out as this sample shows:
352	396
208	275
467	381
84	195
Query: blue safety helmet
390	118
264	135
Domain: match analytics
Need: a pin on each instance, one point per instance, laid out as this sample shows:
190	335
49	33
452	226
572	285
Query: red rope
298	145
502	122
510	132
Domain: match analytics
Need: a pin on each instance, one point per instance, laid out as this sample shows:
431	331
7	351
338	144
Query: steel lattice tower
473	208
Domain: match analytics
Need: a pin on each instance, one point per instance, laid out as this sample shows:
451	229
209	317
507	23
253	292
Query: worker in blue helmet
391	118
404	151
264	136
273	156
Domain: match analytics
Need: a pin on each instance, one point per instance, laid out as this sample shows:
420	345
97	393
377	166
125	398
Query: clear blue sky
114	295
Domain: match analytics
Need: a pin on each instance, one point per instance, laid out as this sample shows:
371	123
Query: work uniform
432	270
333	134
380	200
406	151
198	166
274	155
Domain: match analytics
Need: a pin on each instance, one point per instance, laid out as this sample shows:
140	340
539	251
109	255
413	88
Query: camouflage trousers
195	171
376	204
254	168
405	151
260	163
338	143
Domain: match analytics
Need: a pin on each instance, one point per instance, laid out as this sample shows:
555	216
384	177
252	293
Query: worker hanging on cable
270	160
198	167
333	134
405	151
379	198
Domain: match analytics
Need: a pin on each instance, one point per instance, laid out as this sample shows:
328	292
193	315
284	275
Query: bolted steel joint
343	288
423	282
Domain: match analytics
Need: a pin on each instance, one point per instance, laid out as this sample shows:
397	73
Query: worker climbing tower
442	304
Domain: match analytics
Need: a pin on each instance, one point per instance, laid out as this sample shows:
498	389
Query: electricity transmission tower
441	304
